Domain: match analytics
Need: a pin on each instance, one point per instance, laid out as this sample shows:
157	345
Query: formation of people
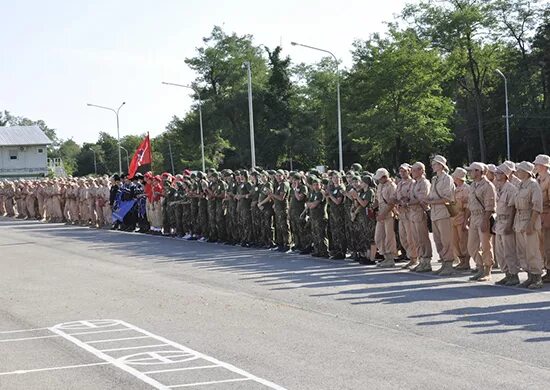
483	215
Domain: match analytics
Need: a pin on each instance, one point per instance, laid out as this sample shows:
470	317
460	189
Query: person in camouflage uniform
169	215
177	205
363	219
202	193
220	193
192	194
211	197
317	206
231	221
335	197
254	210
280	197
265	205
244	200
298	197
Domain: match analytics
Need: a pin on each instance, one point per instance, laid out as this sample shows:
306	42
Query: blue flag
123	208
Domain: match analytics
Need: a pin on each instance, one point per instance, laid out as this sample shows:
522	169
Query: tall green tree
398	111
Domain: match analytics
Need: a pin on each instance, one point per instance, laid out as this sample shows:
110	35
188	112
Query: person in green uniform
244	200
364	220
265	205
317	207
280	197
211	197
177	205
231	224
254	210
298	197
351	236
334	194
202	194
194	199
220	194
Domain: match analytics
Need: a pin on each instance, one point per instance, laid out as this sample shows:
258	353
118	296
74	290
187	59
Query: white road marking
131	363
18	372
121	339
138	347
99	331
209	383
107	358
180	369
28	338
22	330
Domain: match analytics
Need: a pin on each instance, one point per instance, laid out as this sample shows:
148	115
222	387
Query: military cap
280	172
356	167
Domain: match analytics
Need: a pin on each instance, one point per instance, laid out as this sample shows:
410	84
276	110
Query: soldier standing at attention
542	166
481	206
220	191
244	201
363	219
349	198
337	219
527	225
280	197
442	192
254	210
385	234
401	201
265	205
317	206
460	235
298	197
505	240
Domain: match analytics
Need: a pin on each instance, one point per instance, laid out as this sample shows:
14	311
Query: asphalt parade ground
94	309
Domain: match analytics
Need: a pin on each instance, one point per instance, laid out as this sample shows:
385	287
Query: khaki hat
505	169
380	173
492	168
477	166
440	160
419	165
405	166
459	173
525	166
511	165
542	159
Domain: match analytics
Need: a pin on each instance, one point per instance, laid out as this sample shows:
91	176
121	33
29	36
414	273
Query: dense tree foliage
429	84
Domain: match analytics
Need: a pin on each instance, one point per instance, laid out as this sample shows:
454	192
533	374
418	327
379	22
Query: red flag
141	157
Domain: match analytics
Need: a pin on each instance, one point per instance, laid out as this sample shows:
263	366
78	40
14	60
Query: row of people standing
504	208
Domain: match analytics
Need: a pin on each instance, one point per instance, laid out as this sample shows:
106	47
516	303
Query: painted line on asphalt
22	330
209	383
28	338
153	355
19	372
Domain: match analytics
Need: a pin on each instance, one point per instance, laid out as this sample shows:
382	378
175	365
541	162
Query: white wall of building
23	160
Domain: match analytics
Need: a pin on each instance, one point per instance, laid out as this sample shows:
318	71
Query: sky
57	56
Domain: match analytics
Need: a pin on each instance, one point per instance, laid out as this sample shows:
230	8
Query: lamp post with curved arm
200	117
340	152
117	129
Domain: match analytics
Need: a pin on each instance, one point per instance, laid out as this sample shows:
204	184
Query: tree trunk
480	131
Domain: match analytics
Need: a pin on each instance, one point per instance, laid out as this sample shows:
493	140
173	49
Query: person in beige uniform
442	192
419	218
542	166
481	206
513	178
384	234
401	202
2	199
527	225
30	200
83	208
460	234
10	198
505	239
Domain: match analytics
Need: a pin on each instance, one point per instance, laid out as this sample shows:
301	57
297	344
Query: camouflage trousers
299	230
282	227
338	229
319	236
245	222
220	221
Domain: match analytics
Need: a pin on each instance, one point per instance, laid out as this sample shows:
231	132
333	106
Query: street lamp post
507	114
340	152
200	117
117	129
250	114
127	157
